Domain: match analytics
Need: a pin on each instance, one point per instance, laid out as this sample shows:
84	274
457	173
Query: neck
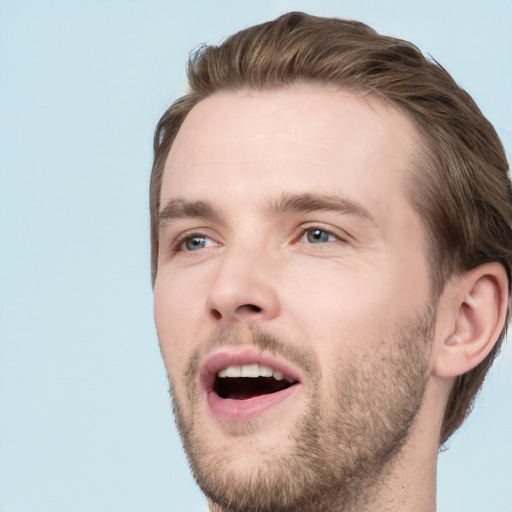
410	482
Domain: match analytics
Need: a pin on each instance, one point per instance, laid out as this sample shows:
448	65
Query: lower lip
229	410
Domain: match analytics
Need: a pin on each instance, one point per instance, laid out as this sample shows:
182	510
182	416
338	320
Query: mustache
253	336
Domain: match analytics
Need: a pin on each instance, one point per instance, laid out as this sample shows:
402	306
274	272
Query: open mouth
242	386
249	381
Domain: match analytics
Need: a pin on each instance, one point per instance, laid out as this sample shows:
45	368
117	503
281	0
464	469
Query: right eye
194	242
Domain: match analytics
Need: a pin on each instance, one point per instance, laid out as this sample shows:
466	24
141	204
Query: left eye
317	236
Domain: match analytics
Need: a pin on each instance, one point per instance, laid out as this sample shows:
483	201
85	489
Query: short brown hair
460	185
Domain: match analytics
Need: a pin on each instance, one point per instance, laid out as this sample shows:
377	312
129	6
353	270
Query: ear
472	312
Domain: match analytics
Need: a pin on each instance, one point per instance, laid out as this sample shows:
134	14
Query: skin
345	299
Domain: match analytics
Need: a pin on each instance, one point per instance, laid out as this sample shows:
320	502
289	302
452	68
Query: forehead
307	138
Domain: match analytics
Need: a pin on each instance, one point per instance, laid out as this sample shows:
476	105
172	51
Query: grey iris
198	242
317	236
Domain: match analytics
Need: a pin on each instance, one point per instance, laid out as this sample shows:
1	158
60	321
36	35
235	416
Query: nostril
248	309
216	314
242	311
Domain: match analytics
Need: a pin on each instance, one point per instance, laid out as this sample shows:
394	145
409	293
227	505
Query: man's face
292	299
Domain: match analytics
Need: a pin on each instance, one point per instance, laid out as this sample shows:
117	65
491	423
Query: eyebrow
179	208
319	202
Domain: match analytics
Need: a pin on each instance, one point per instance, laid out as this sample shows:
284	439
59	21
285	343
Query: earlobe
475	307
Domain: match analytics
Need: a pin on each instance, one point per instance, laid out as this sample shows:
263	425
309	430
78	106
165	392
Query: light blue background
85	420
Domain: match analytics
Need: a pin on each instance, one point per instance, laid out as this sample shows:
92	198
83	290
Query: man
331	224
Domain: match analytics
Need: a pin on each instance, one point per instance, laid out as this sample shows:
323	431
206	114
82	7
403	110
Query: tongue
243	388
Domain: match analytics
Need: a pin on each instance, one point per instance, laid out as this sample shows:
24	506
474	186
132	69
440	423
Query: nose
244	288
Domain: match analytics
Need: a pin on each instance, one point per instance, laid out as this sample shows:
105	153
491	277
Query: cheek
177	311
338	297
352	308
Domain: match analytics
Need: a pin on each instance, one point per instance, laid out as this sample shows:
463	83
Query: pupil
198	242
318	236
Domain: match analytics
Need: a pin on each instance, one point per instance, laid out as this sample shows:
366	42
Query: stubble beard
339	449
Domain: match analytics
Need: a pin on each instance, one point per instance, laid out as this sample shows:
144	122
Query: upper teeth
250	370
